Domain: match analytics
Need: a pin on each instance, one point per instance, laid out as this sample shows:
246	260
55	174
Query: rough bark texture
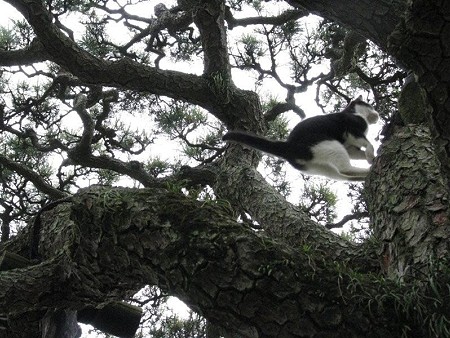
294	279
245	186
422	42
409	203
111	242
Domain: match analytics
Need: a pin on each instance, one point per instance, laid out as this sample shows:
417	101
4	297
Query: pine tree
98	95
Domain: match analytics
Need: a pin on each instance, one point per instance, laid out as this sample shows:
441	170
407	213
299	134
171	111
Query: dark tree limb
375	20
117	318
277	20
35	52
197	252
347	218
60	324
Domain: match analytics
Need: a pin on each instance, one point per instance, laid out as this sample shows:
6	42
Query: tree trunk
408	202
422	43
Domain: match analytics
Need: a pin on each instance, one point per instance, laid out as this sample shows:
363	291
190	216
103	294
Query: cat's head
363	109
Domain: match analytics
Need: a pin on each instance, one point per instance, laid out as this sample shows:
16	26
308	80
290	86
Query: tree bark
408	202
422	43
294	279
113	241
60	324
375	20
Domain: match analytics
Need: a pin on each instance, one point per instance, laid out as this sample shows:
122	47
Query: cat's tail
277	148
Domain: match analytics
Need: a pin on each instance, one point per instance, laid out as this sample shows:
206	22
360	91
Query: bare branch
270	20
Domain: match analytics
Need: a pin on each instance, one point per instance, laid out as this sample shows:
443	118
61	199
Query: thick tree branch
23	288
196	251
132	169
247	190
375	20
35	52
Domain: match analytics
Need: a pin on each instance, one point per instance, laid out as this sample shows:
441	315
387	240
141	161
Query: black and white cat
323	145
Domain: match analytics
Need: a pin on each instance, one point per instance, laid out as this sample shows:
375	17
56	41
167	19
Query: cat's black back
335	126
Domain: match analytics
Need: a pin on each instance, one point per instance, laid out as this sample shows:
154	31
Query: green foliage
158	167
220	86
8	39
318	200
289	30
180	119
175	327
186	48
95	38
240	4
358	65
24	31
107	177
420	306
198	134
18	36
19	198
64	6
277	130
253	49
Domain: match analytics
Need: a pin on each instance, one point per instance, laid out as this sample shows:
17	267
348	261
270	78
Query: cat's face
365	110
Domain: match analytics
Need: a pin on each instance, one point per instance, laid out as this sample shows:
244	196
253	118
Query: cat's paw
370	153
370	157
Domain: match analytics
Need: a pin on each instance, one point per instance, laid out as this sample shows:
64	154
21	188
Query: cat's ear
355	100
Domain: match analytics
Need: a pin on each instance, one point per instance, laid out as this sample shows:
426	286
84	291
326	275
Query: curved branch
281	108
84	146
133	169
246	189
37	180
346	219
